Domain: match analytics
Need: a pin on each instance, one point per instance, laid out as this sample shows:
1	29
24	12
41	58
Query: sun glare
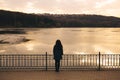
108	52
80	53
30	46
31	9
2	51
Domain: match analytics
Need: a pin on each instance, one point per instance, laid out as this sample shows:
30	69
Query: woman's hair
58	42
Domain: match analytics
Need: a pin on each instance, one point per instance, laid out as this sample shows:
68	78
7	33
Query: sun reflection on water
109	52
1	51
103	50
30	46
80	53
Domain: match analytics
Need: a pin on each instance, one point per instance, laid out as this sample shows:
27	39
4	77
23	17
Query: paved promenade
62	75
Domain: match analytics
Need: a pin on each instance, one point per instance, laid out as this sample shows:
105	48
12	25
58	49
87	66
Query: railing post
99	62
0	61
119	60
46	61
67	59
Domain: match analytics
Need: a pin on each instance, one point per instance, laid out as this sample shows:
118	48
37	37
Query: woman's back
58	50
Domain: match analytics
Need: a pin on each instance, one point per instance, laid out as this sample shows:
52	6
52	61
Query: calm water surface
74	40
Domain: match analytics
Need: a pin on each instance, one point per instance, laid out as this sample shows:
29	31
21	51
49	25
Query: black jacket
58	52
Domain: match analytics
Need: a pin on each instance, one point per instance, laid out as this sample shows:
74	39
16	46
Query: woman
57	52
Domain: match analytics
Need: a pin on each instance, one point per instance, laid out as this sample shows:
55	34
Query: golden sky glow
100	7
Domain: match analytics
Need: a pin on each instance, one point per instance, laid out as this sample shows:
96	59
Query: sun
31	9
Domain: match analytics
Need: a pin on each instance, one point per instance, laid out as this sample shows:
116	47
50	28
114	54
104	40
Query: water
74	40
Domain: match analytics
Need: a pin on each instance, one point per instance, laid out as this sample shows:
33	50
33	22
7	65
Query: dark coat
58	52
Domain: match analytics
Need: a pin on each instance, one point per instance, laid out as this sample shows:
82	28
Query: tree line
18	19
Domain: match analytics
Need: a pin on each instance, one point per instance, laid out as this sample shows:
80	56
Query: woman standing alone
57	52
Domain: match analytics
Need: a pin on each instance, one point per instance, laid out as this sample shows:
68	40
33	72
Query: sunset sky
100	7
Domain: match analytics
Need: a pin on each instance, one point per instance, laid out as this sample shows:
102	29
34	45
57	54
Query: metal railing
69	61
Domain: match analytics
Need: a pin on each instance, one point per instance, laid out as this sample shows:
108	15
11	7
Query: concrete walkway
62	75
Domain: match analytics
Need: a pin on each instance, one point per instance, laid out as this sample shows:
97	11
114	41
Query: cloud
63	6
14	5
100	4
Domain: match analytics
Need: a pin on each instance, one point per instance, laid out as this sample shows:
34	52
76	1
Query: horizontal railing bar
64	54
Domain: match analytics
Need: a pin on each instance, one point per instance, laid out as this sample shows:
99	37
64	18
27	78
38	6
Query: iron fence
69	61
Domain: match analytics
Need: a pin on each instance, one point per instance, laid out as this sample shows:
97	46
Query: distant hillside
17	19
